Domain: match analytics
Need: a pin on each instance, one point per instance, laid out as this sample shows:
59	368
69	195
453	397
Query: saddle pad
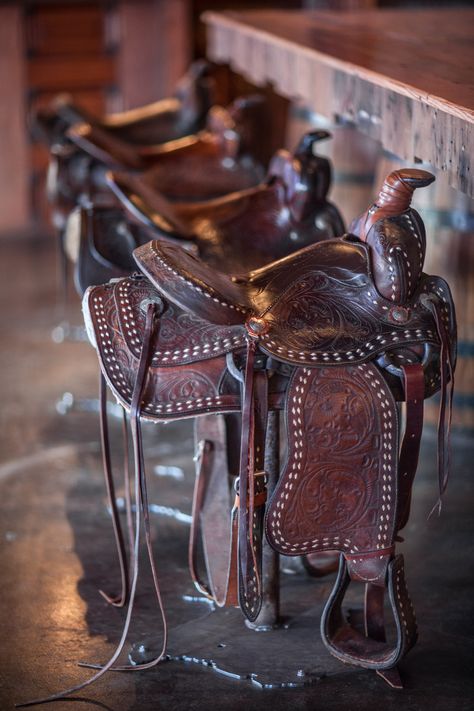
174	388
338	488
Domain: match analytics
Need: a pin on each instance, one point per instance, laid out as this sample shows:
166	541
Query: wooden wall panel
14	162
57	30
155	48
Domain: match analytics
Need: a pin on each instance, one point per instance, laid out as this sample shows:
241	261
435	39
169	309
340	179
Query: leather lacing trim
141	498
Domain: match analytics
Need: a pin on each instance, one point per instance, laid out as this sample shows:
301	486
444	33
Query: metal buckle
385	363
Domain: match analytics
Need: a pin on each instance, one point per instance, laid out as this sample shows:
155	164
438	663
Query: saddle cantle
323	335
100	242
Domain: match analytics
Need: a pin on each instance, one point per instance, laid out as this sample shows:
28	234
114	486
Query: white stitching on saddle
196	287
388	449
167	356
122	386
107	344
336	356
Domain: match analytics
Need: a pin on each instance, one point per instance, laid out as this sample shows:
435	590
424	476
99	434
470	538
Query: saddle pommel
393	199
308	142
395	234
306	175
398	188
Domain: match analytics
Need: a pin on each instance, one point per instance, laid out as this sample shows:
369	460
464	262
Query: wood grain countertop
405	77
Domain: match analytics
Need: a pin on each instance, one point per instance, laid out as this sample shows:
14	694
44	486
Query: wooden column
14	162
155	48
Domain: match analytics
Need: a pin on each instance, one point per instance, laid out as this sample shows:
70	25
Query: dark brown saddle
324	336
181	114
236	233
199	166
247	229
100	243
228	135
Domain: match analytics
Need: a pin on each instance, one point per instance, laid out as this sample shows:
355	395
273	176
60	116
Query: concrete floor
57	551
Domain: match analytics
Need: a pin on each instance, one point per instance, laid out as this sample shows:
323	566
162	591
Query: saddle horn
397	190
308	141
396	235
394	197
306	175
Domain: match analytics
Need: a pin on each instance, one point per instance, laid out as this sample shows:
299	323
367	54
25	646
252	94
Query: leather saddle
239	232
228	133
248	228
335	336
199	166
181	114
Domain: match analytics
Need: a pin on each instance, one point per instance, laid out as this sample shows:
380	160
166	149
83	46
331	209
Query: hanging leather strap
127	485
250	579
141	501
414	387
229	596
116	600
246	468
446	401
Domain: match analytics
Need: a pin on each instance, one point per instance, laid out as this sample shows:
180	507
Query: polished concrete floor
56	552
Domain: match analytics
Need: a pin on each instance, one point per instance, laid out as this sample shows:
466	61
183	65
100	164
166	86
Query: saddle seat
318	306
233	234
200	166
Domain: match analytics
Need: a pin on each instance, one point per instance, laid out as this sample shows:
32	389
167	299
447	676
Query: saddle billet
313	335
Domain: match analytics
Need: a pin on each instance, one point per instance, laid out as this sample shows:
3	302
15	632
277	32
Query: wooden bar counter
404	77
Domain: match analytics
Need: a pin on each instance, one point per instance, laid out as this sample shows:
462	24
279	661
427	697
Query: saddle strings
127	486
141	499
446	404
115	600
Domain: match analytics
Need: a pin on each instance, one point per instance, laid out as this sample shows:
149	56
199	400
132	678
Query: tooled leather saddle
178	115
335	336
199	166
236	233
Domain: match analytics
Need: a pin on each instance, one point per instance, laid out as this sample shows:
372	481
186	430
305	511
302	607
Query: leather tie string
141	499
116	600
446	403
